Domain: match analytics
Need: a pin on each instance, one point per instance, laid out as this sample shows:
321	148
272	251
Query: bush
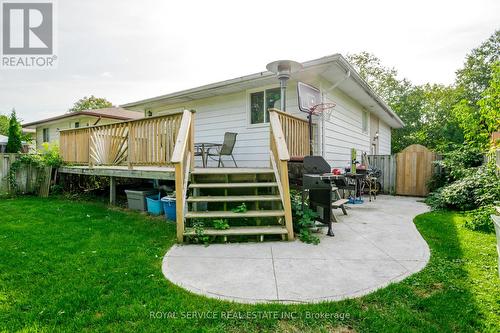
455	165
479	187
50	155
480	219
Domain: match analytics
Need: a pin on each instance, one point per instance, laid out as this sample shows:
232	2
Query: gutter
362	83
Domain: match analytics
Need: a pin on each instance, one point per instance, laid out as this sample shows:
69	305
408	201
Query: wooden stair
234	198
214	193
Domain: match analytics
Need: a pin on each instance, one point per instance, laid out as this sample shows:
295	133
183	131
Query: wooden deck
152	172
162	147
144	172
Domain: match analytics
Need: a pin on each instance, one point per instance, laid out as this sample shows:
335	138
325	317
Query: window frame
365	118
249	93
45	132
77	124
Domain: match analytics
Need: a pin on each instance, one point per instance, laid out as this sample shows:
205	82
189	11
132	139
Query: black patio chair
226	149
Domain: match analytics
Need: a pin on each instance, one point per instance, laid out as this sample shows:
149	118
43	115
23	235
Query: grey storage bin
137	198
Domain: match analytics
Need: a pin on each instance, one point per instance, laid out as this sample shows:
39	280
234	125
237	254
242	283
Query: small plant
199	236
240	209
307	236
220	224
303	220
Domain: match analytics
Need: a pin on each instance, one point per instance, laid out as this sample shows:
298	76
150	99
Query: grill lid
316	165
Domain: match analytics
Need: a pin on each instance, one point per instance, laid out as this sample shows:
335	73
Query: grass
80	266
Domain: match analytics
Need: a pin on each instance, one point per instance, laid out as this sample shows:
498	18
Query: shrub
479	187
455	165
50	155
480	219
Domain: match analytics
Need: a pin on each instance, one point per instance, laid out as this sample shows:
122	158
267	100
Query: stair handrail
280	156
183	160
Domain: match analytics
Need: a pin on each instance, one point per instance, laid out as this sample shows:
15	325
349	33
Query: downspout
323	132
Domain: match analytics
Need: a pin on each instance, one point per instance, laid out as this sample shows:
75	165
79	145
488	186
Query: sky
129	50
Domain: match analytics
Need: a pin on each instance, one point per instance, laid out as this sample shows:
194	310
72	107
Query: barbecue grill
323	194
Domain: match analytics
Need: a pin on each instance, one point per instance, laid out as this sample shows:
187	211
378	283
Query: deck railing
147	141
296	133
280	156
183	160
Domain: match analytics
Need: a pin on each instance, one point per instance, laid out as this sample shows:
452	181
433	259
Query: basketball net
324	110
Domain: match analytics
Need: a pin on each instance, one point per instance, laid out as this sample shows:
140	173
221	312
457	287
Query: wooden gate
414	169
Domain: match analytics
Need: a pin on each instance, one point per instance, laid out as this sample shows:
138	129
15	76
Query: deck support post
112	190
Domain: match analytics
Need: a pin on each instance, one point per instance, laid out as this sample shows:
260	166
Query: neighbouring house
3	145
47	130
360	120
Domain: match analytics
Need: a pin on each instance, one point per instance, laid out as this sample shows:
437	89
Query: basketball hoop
310	102
324	110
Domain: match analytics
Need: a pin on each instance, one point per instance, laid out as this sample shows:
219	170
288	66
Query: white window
364	122
261	102
77	124
46	137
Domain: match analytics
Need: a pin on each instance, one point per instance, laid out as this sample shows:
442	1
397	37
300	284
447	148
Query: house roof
334	68
117	113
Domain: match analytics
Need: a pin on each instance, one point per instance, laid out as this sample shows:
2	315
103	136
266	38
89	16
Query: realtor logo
27	35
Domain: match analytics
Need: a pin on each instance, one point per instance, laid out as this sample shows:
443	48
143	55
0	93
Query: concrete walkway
376	244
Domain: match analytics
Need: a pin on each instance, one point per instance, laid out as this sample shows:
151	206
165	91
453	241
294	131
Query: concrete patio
375	245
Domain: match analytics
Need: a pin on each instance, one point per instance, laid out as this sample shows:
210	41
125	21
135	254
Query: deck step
241	231
229	214
234	198
231	171
233	185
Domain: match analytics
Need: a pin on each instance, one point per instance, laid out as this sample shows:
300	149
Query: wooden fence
406	173
387	165
414	170
29	179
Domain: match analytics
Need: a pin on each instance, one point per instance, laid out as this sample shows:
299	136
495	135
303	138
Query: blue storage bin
154	204
169	208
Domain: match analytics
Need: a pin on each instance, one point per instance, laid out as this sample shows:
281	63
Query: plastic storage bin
154	204
137	198
169	208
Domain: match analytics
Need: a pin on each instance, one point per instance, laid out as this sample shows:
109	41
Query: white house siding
344	131
384	139
230	113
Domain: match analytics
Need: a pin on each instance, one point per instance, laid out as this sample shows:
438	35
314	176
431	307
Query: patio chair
226	149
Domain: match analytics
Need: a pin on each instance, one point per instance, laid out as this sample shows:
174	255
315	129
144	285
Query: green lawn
79	266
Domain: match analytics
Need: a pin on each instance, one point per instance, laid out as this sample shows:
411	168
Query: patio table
202	148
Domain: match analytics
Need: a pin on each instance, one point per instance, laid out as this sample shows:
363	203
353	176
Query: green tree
14	144
426	110
489	109
475	112
4	124
90	103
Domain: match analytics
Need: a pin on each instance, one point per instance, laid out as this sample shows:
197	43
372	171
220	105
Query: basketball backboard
309	96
